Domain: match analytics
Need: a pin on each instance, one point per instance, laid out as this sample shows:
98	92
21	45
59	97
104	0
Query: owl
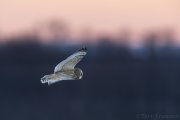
66	69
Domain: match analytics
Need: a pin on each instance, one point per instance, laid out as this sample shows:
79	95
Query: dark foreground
116	85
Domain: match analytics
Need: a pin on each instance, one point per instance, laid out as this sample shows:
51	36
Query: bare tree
58	29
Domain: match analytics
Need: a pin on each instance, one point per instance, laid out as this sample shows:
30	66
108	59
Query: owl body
74	74
65	70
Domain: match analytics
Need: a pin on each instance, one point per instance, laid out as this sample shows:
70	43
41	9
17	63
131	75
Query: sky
100	15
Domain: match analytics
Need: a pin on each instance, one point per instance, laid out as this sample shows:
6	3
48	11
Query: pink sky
107	15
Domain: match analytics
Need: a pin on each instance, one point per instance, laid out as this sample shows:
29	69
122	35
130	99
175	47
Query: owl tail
44	79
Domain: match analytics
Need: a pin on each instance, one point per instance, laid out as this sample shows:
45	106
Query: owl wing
71	61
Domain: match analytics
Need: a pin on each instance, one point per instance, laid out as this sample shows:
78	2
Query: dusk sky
108	15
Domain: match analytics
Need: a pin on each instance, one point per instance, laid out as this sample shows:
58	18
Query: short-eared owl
65	70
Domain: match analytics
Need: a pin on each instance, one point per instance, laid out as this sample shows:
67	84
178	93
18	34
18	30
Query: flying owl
66	70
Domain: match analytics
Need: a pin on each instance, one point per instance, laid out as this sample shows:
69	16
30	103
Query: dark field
118	84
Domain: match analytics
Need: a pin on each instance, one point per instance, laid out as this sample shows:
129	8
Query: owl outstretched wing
71	61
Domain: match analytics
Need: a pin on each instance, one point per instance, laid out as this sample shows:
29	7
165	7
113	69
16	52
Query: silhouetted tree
58	29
